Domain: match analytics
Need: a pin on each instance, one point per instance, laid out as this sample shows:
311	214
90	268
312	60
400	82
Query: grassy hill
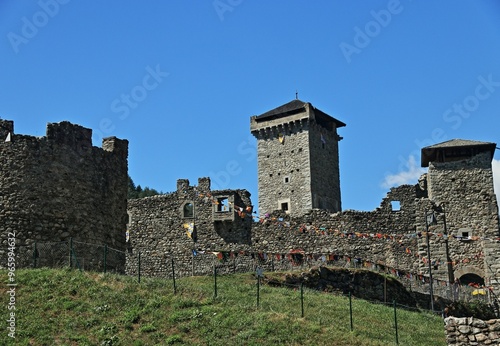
68	307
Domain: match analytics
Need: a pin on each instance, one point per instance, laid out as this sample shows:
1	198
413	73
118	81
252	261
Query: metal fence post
139	267
350	310
70	252
173	275
215	281
395	321
302	298
105	256
258	290
192	263
34	255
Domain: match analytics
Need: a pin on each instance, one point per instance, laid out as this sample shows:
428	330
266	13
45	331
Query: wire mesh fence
74	254
102	258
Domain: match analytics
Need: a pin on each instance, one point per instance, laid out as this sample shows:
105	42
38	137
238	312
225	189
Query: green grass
68	307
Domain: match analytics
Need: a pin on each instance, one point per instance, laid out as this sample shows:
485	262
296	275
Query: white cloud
495	165
408	176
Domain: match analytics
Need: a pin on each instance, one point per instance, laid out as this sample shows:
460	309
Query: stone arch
470	274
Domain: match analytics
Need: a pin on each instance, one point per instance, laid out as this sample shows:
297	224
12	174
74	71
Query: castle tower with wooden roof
460	183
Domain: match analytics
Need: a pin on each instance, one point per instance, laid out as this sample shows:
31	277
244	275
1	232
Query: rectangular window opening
284	206
395	205
223	204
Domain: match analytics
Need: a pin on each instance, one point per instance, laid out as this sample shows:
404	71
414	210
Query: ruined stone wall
394	234
158	227
380	236
59	186
467	331
157	231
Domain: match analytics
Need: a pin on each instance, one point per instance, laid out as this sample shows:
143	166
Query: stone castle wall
159	226
393	235
157	231
59	186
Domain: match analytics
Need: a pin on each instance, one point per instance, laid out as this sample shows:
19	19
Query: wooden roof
455	149
294	107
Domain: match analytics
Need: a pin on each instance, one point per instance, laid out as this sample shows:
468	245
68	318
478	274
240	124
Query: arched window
188	210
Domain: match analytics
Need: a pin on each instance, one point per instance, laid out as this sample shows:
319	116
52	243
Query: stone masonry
157	231
171	226
469	331
298	161
58	187
460	191
299	214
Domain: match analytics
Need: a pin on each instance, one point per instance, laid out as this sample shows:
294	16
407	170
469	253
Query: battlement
60	186
6	127
75	136
64	133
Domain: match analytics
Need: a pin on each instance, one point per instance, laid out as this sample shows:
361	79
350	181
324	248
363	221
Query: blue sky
181	79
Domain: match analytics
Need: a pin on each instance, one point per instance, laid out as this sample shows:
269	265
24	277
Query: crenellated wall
60	186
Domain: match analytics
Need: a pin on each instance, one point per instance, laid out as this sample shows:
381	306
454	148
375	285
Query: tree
138	191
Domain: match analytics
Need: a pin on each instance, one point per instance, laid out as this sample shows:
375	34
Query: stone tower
298	159
460	179
60	187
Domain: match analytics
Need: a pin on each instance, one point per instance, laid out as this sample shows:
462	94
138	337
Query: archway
471	278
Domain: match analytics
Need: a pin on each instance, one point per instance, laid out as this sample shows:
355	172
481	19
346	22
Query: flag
281	138
189	226
8	139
